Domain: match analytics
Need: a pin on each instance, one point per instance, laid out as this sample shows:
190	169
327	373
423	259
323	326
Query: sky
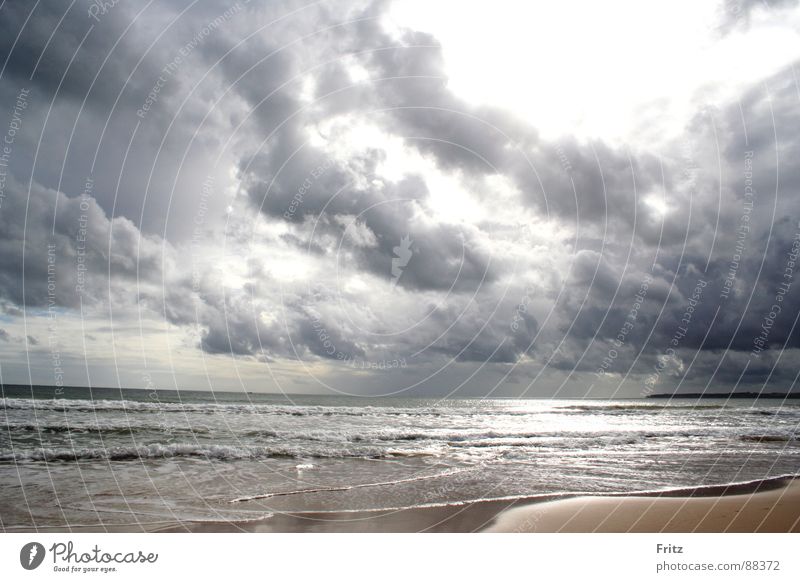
401	197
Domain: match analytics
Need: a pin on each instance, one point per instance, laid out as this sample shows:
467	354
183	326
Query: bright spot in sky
621	70
447	197
657	205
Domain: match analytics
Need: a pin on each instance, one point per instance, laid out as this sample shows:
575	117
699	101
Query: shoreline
767	505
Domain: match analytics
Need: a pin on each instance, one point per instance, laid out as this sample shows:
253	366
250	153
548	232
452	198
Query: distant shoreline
739	395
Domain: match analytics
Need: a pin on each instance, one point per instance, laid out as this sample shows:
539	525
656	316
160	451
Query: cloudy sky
396	197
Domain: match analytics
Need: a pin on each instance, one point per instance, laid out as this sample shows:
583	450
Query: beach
776	510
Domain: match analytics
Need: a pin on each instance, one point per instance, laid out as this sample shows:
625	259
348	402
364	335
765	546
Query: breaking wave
210	452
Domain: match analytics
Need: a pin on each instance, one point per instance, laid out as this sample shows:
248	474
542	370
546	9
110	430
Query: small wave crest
768	438
210	452
98	429
603	406
136	406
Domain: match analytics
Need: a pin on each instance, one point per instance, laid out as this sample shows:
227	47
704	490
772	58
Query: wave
365	436
375	438
131	406
138	406
209	452
784	410
339	436
466	437
435	409
600	407
769	438
620	407
100	429
135	406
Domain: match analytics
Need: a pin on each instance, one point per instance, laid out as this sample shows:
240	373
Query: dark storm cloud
300	181
57	258
66	55
118	114
237	330
688	331
47	48
730	273
233	323
759	220
326	339
443	256
311	186
766	125
474	338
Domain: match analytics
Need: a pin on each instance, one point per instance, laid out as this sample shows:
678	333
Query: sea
135	459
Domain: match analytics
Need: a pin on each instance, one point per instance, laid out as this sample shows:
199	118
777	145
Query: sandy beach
774	510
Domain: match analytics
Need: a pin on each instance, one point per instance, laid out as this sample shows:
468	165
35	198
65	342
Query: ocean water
137	459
